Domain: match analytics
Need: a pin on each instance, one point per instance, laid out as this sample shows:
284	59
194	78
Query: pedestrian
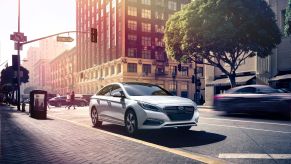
68	100
72	101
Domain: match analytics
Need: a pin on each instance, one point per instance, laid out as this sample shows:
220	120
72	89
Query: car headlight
148	106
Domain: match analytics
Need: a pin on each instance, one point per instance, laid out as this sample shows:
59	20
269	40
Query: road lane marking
228	126
253	156
256	122
194	156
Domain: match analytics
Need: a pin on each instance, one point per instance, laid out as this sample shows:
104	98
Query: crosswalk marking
253	156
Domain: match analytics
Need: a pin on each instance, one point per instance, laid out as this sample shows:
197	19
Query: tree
8	74
222	32
287	28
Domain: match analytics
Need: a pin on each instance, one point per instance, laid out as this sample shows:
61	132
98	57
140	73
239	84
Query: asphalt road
235	138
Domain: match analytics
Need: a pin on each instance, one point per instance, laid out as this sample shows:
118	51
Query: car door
102	102
116	105
246	98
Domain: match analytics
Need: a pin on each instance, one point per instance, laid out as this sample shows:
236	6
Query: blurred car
87	97
254	98
61	101
142	106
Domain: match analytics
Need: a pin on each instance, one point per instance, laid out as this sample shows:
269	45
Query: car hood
164	100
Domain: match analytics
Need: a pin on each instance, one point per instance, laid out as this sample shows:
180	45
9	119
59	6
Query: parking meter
38	104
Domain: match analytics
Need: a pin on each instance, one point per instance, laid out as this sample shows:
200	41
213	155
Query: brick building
63	72
129	47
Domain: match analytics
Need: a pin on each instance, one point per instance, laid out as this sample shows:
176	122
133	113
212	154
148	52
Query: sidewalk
27	140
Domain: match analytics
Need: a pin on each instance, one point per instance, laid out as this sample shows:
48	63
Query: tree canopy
7	75
287	28
222	32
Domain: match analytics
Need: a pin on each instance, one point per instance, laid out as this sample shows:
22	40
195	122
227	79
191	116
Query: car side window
115	88
105	91
247	90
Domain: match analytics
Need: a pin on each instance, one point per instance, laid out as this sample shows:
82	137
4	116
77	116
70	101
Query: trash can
38	104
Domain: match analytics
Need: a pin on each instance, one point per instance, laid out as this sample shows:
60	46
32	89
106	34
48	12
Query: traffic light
179	67
15	62
94	35
193	79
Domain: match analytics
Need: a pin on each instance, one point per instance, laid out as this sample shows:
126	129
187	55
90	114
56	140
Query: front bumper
158	120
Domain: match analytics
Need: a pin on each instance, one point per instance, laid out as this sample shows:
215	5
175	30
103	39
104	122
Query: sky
39	18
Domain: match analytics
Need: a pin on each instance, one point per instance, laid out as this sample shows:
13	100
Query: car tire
94	118
130	122
184	128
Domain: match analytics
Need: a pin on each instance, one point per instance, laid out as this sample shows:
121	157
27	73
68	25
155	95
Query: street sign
17	46
18	37
64	39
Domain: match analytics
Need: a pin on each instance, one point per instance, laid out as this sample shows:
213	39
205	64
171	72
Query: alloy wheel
131	122
94	118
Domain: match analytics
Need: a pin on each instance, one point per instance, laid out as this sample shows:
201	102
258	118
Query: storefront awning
281	77
241	80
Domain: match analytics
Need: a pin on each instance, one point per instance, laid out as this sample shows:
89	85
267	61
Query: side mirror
118	94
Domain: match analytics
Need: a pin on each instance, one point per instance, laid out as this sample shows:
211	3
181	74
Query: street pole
195	81
18	62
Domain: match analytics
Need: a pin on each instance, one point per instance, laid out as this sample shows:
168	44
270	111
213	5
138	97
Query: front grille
179	113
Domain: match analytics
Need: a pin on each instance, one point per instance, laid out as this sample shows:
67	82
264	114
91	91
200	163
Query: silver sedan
142	106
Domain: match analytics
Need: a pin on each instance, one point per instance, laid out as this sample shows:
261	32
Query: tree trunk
232	80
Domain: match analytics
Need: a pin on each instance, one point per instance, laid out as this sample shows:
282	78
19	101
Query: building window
146	2
160	70
159	28
160	56
283	17
146	13
132	52
146	41
106	72
200	72
131	67
184	71
159	15
112	70
132	25
132	11
146	68
159	42
146	54
146	27
119	68
132	37
172	5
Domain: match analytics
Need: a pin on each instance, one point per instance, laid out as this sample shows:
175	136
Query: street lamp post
18	64
174	73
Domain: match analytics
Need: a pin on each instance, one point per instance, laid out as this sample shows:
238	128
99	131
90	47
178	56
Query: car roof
245	86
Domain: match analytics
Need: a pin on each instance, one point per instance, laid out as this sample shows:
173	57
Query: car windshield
137	89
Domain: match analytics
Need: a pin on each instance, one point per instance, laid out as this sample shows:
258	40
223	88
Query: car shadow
170	137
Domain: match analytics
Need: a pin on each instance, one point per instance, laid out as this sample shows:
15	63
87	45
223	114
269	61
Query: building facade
63	72
276	69
130	45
